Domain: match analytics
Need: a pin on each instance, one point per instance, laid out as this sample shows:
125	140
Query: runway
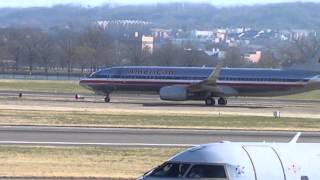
148	105
75	136
151	104
153	99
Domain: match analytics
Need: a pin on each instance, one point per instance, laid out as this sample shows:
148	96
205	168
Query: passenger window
171	170
304	178
207	171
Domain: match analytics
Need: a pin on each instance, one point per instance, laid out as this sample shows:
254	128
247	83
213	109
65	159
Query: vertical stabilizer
211	80
214	76
295	138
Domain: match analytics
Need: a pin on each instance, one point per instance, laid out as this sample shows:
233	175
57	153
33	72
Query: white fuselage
231	81
243	161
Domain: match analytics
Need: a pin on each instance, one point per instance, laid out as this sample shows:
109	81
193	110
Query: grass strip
51	86
45	117
312	95
22	161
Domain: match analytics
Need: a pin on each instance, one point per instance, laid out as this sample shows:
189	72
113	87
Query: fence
39	77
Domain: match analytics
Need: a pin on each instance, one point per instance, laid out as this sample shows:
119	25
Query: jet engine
174	93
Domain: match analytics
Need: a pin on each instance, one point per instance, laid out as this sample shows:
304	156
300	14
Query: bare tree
45	48
30	44
67	43
167	55
82	55
11	42
298	51
233	57
100	43
268	60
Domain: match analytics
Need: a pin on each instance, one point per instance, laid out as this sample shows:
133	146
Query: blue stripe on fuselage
187	73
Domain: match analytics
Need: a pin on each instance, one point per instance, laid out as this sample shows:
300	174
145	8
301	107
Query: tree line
70	51
32	50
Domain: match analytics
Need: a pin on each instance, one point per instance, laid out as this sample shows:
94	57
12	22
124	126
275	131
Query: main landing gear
222	101
211	101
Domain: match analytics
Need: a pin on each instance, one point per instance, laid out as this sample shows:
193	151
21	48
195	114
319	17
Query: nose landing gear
107	98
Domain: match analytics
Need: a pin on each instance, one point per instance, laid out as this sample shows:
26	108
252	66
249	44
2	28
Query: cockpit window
207	171
171	170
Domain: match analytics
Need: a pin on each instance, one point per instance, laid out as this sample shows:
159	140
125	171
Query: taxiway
151	104
76	136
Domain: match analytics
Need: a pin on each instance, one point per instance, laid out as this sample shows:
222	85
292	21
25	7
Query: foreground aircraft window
172	170
207	171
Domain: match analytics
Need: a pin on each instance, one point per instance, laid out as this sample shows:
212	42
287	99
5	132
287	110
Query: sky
33	3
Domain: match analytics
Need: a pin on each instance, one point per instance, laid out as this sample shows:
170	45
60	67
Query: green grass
19	161
54	86
50	86
312	95
30	117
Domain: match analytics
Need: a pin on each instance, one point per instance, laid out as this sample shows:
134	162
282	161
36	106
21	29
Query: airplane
201	83
242	161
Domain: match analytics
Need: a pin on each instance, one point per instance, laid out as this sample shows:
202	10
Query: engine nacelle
174	93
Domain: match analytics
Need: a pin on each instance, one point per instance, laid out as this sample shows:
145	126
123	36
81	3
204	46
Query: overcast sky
30	3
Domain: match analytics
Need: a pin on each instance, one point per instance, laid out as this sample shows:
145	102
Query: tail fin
216	72
295	138
211	80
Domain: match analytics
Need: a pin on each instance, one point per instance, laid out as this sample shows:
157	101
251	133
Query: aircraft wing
210	83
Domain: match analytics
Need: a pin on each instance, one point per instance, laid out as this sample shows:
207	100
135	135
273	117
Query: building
203	34
148	44
253	57
159	33
107	24
216	52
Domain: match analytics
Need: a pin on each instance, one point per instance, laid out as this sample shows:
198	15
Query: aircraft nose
317	78
84	83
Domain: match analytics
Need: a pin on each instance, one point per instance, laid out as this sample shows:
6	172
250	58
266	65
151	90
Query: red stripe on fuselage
124	82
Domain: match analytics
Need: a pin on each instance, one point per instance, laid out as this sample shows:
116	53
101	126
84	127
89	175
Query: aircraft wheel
222	101
210	102
107	99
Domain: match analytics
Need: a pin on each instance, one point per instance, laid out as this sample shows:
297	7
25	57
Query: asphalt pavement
78	136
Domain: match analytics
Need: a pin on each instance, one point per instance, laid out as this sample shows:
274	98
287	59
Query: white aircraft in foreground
242	161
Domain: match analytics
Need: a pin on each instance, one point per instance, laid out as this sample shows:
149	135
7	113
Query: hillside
275	16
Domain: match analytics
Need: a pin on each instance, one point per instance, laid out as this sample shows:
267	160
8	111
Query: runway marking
94	144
